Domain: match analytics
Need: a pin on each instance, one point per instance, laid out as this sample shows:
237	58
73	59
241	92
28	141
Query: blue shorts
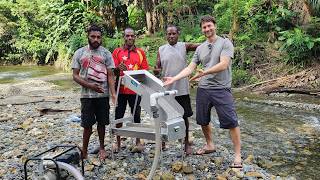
222	100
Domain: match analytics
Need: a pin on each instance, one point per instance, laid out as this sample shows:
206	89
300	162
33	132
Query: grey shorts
222	100
94	110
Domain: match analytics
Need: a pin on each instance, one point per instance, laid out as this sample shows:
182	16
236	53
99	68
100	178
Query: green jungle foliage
50	31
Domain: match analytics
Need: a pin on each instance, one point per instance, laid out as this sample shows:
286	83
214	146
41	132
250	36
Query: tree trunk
303	9
148	7
155	17
162	20
170	12
235	20
152	15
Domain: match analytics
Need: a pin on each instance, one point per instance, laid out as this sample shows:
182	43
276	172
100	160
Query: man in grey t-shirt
214	89
92	68
171	59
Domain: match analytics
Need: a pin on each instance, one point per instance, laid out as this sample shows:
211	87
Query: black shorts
94	110
123	100
185	102
222	100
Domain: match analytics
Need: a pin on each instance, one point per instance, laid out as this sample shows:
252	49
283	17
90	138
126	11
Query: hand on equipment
168	81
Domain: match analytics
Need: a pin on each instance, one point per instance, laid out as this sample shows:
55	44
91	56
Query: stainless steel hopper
166	122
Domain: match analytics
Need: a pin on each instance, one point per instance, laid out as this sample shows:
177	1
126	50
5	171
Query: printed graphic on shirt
93	65
97	69
124	58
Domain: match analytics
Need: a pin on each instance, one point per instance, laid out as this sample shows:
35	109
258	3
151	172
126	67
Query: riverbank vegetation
272	37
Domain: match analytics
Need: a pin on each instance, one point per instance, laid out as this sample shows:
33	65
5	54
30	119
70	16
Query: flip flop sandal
205	151
236	165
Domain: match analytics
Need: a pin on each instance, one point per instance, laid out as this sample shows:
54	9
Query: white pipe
72	170
153	103
155	96
157	151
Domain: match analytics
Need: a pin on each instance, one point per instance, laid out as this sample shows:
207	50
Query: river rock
276	158
249	159
89	167
167	176
191	177
307	152
264	163
221	177
141	176
236	172
13	91
298	167
254	174
187	168
202	166
27	123
151	155
156	177
176	166
95	162
218	161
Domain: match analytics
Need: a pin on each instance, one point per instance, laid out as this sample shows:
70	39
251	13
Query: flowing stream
284	141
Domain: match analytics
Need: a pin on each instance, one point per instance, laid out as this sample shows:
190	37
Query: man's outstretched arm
221	66
184	73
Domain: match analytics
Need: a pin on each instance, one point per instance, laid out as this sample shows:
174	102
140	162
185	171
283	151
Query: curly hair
207	18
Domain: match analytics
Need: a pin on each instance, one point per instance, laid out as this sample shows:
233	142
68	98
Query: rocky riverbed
36	115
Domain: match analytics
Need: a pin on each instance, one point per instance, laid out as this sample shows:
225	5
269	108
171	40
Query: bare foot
206	150
102	154
139	148
115	148
237	160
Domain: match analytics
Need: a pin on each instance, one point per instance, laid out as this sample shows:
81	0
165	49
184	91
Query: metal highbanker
165	112
168	109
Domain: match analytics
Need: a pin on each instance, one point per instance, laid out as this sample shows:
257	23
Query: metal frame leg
113	120
134	112
182	150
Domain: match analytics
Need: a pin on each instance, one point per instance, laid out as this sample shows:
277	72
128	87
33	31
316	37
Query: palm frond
315	4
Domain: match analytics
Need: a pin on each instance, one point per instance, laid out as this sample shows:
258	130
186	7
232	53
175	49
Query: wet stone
253	174
187	168
177	166
221	177
167	176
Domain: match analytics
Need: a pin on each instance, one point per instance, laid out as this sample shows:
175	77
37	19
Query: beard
94	45
209	34
130	42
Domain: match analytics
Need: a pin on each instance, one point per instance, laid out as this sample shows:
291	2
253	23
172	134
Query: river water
284	141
